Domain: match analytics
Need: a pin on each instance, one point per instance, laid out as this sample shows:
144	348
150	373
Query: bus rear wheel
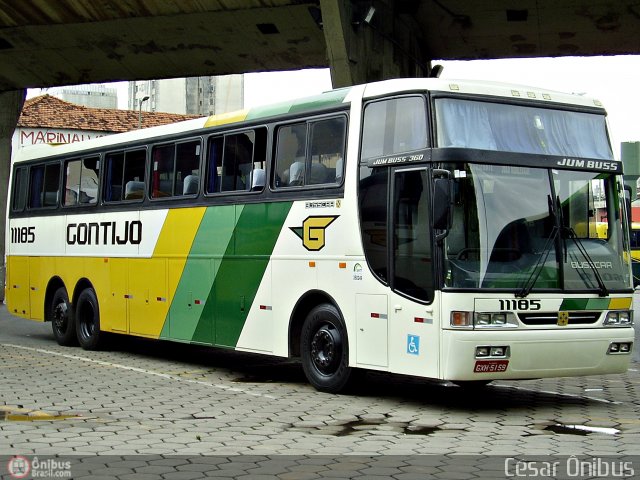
88	320
61	316
324	349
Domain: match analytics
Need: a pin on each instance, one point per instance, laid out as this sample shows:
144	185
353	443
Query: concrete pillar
370	41
10	107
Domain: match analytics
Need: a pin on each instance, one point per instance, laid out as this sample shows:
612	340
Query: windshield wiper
544	255
602	288
571	233
537	269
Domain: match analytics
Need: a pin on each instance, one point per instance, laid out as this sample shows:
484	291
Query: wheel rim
61	317
326	348
87	320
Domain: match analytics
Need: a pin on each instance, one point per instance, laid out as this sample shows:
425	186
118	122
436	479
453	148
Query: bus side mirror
627	201
442	198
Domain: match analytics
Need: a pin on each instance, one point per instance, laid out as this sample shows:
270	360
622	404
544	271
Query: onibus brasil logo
312	231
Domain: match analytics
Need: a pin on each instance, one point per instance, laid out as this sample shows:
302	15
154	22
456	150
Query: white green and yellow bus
425	227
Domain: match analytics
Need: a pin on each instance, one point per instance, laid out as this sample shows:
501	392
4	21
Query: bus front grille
551	318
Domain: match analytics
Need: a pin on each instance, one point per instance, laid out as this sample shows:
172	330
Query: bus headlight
623	318
462	319
495	319
483	319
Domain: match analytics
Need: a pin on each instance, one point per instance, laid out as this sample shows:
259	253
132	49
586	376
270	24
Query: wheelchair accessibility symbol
413	344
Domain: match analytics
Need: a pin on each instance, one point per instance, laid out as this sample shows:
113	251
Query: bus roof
480	87
326	99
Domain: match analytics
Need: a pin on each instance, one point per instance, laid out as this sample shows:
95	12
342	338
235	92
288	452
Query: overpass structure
63	42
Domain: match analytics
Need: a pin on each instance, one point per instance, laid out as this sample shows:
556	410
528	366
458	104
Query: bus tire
324	349
88	320
60	314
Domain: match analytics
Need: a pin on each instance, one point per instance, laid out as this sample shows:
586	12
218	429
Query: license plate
488	366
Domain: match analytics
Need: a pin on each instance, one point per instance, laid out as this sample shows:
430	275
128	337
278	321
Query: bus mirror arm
442	198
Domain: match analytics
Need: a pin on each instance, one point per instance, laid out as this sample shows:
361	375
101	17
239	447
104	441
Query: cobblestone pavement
168	401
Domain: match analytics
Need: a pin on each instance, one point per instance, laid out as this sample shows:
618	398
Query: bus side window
175	169
44	185
113	181
394	126
162	170
327	151
81	181
237	162
258	175
19	193
214	163
290	156
187	178
125	175
134	174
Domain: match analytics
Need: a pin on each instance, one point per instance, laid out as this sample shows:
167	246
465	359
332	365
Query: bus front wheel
61	317
324	349
88	320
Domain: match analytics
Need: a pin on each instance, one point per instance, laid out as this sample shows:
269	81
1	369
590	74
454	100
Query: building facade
92	96
201	96
47	119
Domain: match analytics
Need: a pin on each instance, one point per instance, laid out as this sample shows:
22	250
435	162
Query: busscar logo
312	231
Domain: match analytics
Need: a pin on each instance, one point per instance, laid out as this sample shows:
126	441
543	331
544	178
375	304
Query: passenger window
176	169
290	155
44	185
81	181
214	166
19	194
187	178
327	151
236	162
310	153
125	175
162	175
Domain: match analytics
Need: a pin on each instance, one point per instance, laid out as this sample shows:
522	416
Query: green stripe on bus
240	273
334	97
208	249
574	304
584	304
598	304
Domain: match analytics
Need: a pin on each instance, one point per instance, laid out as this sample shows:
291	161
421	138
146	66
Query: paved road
258	416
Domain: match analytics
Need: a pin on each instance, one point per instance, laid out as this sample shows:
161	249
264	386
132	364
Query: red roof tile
47	111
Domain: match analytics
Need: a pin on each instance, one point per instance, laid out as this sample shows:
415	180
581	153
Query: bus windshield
526	228
523	129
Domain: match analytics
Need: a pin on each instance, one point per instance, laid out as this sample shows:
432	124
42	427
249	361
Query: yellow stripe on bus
225	118
166	265
620	303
